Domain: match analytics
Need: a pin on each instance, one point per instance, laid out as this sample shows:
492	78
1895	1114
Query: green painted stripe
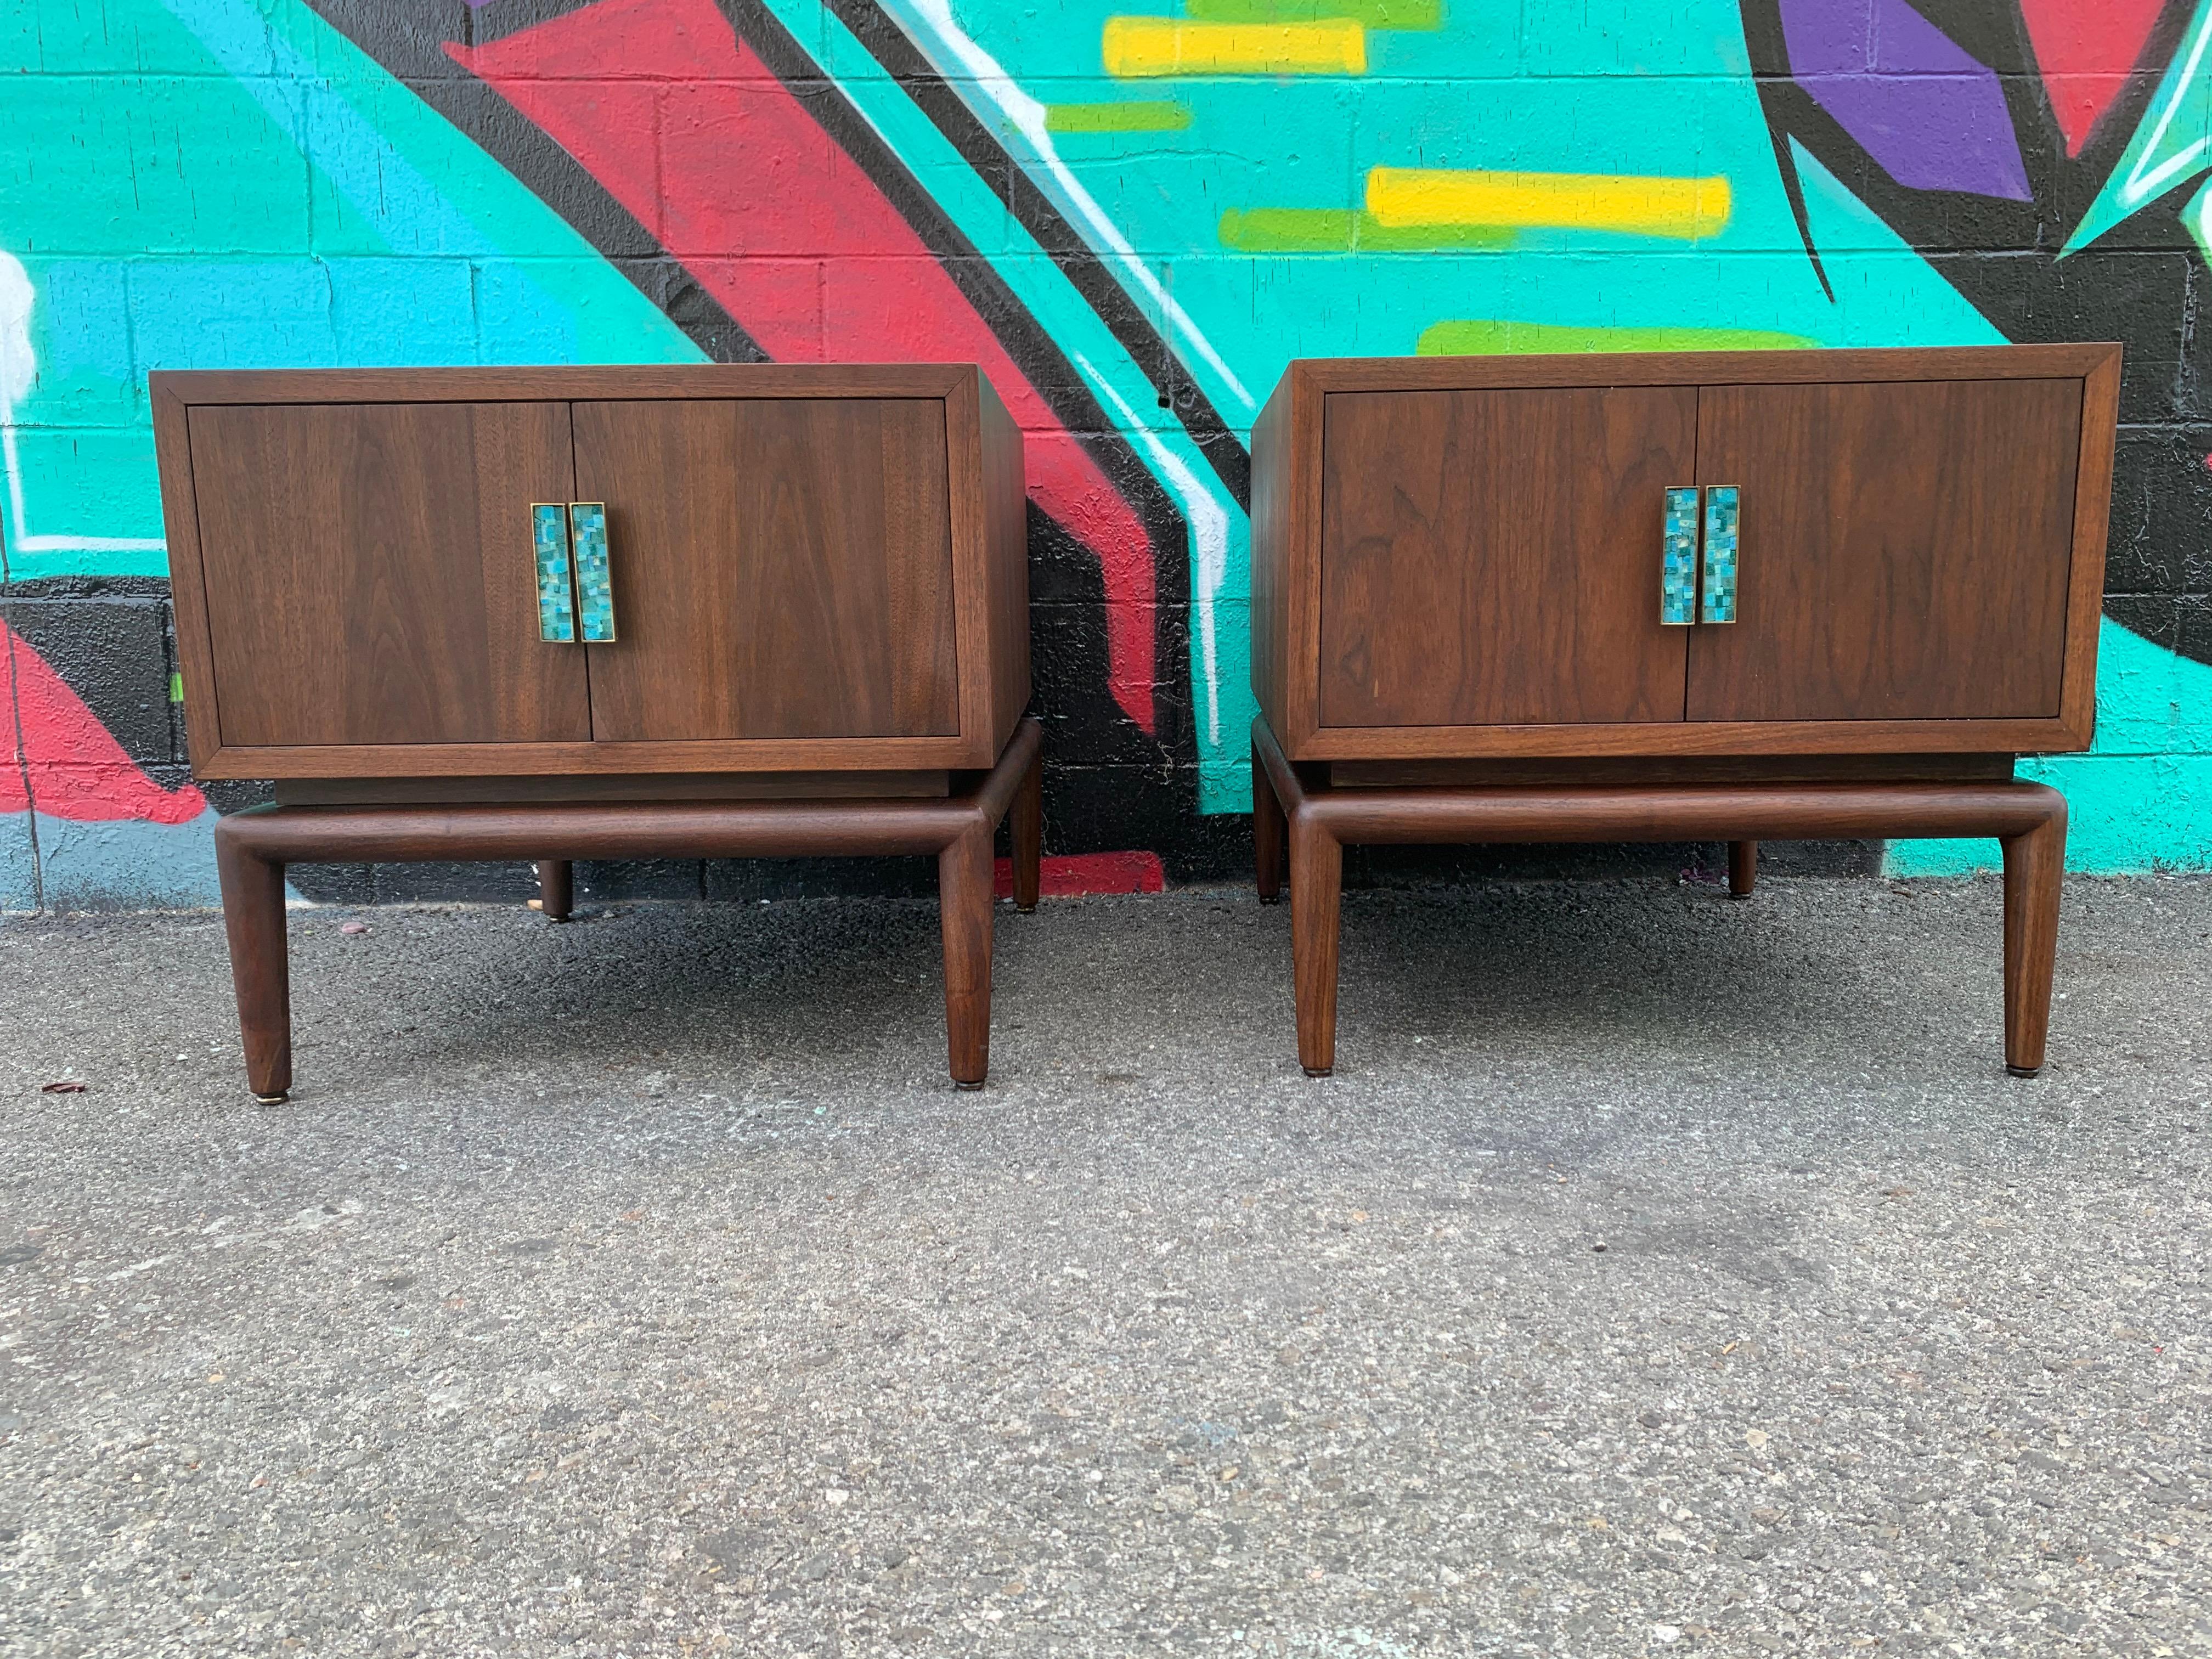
1346	230
1376	14
176	687
1134	115
1487	337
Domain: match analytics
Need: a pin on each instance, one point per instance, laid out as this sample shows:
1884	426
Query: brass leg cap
1320	1071
277	1099
2022	1071
1025	909
966	1087
1270	898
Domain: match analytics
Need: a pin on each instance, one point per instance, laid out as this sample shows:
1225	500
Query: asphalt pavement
1657	1275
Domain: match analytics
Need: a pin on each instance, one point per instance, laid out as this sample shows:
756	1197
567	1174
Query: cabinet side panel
1273	467
172	447
1006	563
2092	508
370	573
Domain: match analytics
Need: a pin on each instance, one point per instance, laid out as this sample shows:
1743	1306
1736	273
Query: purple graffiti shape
1931	115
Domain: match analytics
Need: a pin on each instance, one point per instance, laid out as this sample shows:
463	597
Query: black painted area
112	651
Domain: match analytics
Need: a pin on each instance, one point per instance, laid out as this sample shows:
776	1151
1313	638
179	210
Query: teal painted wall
1135	216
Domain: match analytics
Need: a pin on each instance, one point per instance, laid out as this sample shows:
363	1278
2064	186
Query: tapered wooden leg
254	919
1316	884
963	898
1025	830
556	888
1743	868
1269	830
2033	865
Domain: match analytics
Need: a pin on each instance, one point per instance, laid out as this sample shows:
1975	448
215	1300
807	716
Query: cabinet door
782	568
1902	549
1492	557
370	577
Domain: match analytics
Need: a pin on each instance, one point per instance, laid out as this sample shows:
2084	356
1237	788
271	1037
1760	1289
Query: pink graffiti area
64	762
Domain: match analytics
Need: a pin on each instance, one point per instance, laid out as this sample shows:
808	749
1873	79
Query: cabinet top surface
1327	374
591	381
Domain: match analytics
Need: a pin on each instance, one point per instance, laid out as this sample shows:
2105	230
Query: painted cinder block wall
1133	215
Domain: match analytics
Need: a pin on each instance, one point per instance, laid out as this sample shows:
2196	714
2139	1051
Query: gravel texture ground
1657	1275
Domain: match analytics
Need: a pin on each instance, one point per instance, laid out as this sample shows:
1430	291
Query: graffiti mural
1132	217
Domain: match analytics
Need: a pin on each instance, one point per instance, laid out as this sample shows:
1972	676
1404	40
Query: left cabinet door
370	574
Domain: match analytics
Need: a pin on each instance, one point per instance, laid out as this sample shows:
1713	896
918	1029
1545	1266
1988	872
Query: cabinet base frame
1300	826
253	846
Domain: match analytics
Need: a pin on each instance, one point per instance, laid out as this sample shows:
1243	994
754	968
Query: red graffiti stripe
66	763
694	136
2087	49
1077	873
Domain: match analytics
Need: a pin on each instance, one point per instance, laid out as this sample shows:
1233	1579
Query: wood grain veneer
815	567
1923	553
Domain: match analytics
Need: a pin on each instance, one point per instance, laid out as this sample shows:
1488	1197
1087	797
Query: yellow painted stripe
1584	200
1173	46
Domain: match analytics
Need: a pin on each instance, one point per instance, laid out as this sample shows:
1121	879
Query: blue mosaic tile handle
595	585
548	546
1678	568
1721	516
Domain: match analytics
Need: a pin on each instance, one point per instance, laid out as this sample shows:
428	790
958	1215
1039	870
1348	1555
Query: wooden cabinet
555	613
1461	558
1827	592
813	568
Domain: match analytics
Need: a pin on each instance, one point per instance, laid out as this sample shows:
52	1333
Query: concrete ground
1657	1275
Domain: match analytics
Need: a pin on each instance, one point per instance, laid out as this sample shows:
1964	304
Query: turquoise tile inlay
1678	569
595	582
1720	554
549	544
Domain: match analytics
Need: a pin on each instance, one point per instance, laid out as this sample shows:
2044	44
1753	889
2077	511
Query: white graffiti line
1027	115
18	366
19	372
2141	186
19	359
80	544
1209	531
